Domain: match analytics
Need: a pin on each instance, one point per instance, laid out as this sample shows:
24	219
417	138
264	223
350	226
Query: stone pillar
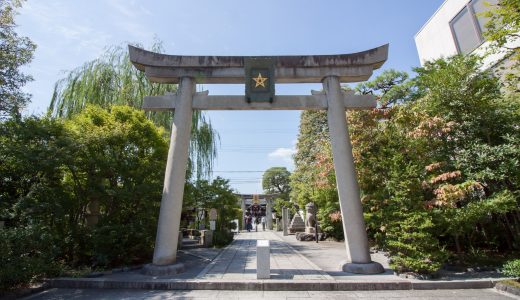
243	206
165	251
356	240
285	221
269	214
201	218
263	253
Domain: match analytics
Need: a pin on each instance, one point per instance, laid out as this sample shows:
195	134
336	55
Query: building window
468	25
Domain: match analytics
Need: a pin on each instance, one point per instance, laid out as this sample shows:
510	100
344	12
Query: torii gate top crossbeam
164	68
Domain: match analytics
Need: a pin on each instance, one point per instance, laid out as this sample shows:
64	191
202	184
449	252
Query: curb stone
266	285
24	292
507	288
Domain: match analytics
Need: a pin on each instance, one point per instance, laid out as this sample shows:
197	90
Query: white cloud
59	22
129	9
283	153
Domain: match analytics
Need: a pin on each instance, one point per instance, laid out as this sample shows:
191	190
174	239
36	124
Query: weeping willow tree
113	80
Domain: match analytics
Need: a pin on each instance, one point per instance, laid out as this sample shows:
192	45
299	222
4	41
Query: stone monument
297	224
285	221
310	218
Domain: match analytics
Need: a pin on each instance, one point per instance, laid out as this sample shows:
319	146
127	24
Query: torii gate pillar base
369	268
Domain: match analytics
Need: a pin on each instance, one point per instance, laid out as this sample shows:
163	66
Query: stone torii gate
330	70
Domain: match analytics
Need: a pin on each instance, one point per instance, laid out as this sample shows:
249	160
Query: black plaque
260	79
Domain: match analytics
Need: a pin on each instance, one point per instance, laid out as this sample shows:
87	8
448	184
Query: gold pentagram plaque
259	79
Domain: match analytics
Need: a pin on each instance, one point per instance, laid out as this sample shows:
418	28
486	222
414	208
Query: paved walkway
238	261
84	294
295	266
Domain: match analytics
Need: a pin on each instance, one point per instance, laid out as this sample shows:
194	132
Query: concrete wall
435	40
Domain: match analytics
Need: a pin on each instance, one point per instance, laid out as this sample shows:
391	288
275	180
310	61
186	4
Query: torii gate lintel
204	101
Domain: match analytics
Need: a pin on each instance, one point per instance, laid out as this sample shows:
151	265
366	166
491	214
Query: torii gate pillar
165	251
356	240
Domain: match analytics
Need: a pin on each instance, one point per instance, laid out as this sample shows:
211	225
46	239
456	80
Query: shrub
26	255
512	268
331	223
412	247
222	238
116	245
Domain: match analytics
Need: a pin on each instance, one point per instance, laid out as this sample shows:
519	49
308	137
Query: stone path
116	294
238	261
295	266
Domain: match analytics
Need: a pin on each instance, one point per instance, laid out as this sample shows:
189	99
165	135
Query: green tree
276	181
503	29
503	24
442	159
391	87
113	80
437	165
54	173
15	51
27	254
313	179
217	194
35	155
120	168
314	171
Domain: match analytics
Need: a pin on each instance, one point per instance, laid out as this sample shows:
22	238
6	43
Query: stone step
190	244
266	285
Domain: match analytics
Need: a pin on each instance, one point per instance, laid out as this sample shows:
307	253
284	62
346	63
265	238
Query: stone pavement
84	294
295	266
238	261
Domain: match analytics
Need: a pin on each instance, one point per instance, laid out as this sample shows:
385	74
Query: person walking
263	223
249	225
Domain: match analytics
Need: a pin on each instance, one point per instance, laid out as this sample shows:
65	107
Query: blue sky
71	32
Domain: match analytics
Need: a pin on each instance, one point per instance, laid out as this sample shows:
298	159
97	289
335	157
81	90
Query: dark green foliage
412	245
276	181
222	238
15	52
34	157
437	165
444	164
512	268
331	222
313	179
502	29
26	255
279	204
217	194
55	173
393	87
123	244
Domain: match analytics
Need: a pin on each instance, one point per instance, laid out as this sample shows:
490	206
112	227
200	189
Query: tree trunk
457	244
508	235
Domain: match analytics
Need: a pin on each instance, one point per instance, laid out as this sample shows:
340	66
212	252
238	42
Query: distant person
263	223
249	223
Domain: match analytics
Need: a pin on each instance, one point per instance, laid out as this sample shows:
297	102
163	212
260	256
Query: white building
456	27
